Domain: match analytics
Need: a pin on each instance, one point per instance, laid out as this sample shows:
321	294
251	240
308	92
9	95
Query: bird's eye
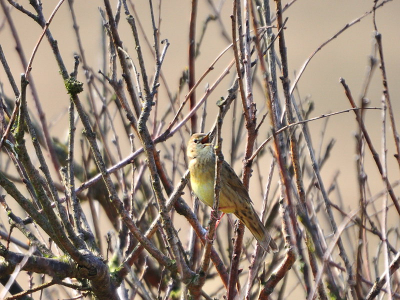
197	141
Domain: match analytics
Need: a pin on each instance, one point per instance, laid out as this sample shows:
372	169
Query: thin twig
348	25
371	146
264	143
29	66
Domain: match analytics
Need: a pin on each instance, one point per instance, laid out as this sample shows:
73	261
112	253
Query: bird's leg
218	219
217	223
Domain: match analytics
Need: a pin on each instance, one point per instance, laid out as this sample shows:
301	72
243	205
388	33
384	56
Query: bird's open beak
206	139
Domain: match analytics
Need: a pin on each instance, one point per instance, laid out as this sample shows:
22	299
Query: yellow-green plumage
234	197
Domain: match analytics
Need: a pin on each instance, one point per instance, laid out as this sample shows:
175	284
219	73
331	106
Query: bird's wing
231	179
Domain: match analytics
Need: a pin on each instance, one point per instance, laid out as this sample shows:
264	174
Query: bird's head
198	143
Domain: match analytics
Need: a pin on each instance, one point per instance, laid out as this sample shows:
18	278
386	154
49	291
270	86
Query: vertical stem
385	203
249	111
294	149
121	55
192	63
396	136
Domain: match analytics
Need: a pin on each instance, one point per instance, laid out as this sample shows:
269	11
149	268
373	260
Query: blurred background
310	23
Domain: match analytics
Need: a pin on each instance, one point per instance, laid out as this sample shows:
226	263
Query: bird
234	198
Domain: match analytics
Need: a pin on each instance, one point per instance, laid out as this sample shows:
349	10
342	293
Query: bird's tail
250	218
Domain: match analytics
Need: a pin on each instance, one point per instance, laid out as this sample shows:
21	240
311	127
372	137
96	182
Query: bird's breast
202	180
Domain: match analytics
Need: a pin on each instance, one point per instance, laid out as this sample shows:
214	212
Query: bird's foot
215	217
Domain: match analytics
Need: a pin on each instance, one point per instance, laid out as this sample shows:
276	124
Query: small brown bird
234	197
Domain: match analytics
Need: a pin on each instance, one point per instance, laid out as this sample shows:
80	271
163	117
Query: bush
108	212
